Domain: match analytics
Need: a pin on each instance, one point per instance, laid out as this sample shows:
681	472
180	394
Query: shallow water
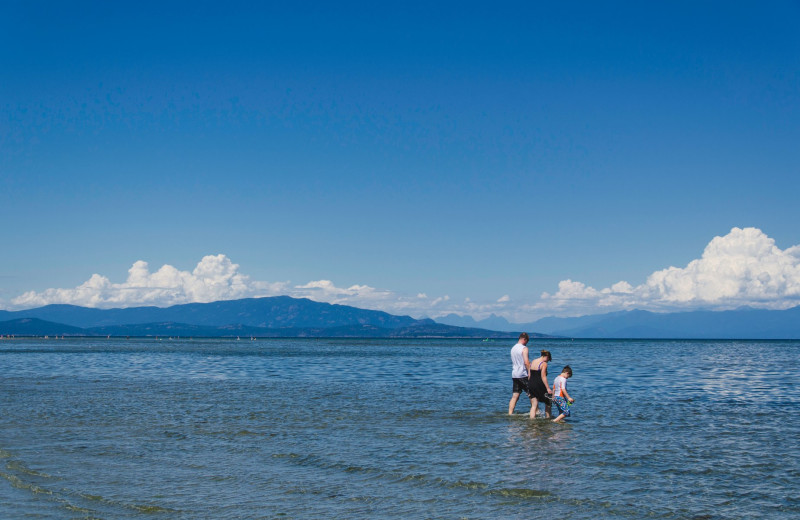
293	428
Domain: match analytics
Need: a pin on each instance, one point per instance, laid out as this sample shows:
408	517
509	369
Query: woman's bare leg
534	407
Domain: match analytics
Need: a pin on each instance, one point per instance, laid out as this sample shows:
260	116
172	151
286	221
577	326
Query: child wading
560	395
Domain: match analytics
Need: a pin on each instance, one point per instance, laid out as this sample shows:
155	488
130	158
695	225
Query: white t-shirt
518	360
559	384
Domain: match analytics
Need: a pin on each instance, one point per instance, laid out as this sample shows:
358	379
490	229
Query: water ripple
394	429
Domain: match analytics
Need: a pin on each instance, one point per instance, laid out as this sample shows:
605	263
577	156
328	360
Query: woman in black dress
537	384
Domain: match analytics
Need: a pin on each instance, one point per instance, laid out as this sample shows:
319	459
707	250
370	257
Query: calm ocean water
226	429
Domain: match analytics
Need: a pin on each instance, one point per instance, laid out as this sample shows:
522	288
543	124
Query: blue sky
420	158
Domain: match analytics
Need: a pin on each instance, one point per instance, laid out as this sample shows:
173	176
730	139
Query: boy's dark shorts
520	385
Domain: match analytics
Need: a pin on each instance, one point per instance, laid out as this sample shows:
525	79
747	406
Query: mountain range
280	316
283	316
742	323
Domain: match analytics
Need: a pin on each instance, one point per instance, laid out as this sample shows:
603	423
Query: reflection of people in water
537	384
519	372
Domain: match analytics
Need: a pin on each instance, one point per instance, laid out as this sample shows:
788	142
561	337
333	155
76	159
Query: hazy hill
36	327
274	312
743	323
420	329
280	316
493	322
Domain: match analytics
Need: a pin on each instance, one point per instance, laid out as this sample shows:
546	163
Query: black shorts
520	385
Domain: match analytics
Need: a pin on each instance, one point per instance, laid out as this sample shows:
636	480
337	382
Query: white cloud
214	278
439	300
569	290
326	291
477	309
744	267
217	278
368	297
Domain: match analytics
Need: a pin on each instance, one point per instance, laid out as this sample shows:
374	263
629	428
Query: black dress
536	385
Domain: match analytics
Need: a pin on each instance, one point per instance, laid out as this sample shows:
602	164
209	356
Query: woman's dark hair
546	353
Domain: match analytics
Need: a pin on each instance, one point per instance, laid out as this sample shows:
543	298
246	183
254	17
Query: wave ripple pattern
305	428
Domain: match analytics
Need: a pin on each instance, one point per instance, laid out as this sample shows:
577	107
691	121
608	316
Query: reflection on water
394	429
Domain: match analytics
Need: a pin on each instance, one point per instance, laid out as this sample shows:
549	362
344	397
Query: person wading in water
537	384
519	372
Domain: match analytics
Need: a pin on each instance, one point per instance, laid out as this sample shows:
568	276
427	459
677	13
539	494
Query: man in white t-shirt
521	366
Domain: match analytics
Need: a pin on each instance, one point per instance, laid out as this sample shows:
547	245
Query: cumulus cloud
369	297
477	309
326	291
217	278
744	267
214	278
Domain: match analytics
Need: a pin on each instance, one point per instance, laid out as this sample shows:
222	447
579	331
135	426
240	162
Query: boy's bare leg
559	418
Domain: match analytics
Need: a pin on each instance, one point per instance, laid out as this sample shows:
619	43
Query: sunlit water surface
228	429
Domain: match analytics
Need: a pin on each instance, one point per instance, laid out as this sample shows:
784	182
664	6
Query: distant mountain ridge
271	312
36	327
422	329
280	316
299	317
743	323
